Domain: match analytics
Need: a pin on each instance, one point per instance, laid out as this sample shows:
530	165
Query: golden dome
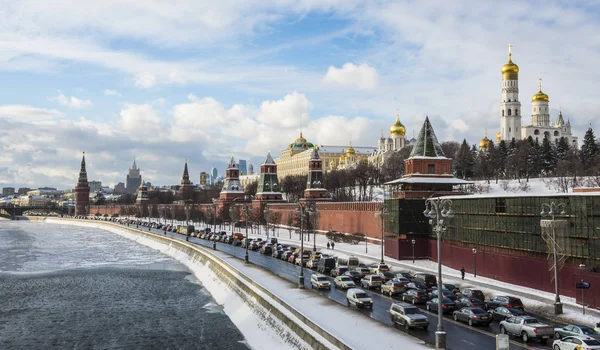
510	67
350	151
332	164
398	128
540	96
301	139
498	137
484	143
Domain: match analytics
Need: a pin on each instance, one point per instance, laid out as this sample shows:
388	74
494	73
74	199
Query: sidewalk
537	301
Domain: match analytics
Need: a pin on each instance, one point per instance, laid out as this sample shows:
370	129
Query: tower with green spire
268	185
315	188
82	191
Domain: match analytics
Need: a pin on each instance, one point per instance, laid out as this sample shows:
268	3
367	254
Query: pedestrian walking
327	245
332	246
462	272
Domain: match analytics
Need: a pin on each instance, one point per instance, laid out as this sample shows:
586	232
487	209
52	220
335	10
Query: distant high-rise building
203	178
214	173
119	188
23	191
95	186
134	179
8	191
250	169
243	167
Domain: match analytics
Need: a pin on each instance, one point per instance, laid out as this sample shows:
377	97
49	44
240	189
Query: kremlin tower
268	186
232	187
186	191
82	191
315	189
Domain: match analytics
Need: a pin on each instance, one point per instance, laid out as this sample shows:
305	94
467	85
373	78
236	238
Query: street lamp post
553	210
413	249
266	215
246	258
474	262
440	209
383	212
302	209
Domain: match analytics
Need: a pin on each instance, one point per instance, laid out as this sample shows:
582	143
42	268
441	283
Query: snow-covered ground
533	186
340	321
535	300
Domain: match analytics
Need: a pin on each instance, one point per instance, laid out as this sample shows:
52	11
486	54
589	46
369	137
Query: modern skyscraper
8	191
250	169
214	173
243	167
134	179
95	186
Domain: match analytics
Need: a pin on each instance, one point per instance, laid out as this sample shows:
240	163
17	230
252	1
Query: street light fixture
302	209
246	258
413	249
474	262
266	215
440	208
214	205
551	210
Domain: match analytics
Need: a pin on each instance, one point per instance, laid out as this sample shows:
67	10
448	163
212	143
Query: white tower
510	119
540	116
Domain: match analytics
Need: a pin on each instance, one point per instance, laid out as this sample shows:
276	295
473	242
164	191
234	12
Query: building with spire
386	146
315	188
186	191
541	125
82	191
427	171
268	185
232	187
134	179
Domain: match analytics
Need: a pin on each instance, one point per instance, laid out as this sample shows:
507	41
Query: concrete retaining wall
272	310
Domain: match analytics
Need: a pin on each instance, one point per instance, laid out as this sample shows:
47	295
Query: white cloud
362	77
145	80
292	111
71	102
33	114
109	92
141	121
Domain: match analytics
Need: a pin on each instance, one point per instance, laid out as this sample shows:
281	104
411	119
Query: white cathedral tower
510	120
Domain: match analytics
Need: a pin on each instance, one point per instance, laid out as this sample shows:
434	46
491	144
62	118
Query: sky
166	81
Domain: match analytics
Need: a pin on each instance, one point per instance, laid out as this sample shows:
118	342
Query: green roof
427	144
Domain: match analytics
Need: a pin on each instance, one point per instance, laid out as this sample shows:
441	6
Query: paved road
459	335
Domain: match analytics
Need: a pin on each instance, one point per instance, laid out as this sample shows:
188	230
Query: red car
292	258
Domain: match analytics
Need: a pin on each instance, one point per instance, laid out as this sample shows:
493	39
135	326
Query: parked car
468	302
319	281
427	279
343	282
326	265
312	264
472	293
363	271
266	249
575	330
379	267
417	286
451	287
338	271
386	276
415	296
526	327
576	343
406	275
371	281
473	316
445	293
506	301
277	253
502	313
405	281
447	305
408	316
392	288
355	275
358	298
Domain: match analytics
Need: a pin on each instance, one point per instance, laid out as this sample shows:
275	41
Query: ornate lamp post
266	215
246	257
382	214
474	262
440	209
413	249
553	210
214	206
303	208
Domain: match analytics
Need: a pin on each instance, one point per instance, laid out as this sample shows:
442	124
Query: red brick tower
232	187
186	190
82	191
314	185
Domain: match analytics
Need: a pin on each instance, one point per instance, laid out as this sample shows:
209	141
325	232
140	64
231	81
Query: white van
353	263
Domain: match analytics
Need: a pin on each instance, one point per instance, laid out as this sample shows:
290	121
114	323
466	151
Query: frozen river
68	287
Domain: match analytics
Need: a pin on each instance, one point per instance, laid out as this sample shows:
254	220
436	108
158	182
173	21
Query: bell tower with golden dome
540	116
510	114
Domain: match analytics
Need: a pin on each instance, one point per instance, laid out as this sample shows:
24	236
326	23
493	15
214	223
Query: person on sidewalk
327	245
462	272
332	246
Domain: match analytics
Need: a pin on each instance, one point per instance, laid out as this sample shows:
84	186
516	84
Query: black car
506	301
468	302
472	315
415	296
446	293
416	285
472	293
451	288
355	275
447	305
405	275
502	313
